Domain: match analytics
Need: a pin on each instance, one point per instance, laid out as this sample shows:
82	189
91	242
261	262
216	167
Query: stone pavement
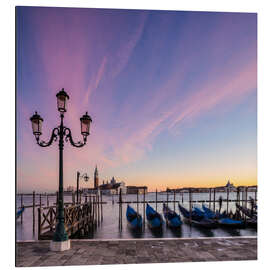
86	252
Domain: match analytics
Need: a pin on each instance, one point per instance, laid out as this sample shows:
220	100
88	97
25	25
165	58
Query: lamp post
85	177
60	240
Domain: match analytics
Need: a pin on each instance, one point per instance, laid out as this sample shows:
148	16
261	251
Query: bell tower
96	178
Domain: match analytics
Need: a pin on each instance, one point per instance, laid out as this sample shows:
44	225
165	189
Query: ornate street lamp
85	177
60	238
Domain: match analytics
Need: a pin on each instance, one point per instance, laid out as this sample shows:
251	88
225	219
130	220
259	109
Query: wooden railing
77	217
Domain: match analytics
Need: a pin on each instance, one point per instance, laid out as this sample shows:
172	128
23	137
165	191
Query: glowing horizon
172	95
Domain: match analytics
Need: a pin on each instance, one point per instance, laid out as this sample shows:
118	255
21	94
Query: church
108	188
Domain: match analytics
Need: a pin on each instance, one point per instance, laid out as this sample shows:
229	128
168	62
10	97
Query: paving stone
137	251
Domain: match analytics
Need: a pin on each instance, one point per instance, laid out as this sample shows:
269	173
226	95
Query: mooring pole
156	199
120	209
190	207
40	202
214	200
227	201
101	206
77	190
174	200
57	198
167	198
137	200
34	205
144	207
21	208
182	196
210	198
98	207
247	197
255	195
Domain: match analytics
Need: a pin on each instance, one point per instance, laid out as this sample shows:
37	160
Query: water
109	227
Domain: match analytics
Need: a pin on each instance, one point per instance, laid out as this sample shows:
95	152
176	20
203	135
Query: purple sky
173	95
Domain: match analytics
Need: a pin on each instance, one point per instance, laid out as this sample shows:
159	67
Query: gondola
230	223
134	219
223	219
196	219
154	219
172	218
19	212
213	215
248	212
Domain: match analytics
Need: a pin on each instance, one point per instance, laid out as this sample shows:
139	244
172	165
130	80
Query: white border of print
8	115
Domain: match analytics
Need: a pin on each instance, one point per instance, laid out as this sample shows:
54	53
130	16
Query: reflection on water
109	229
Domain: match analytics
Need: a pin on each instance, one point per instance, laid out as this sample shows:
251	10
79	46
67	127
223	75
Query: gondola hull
19	212
172	218
134	219
230	223
197	220
154	219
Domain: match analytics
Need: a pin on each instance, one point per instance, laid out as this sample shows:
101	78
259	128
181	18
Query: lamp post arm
55	133
68	137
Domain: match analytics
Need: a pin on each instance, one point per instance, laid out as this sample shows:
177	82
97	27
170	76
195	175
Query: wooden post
182	197
227	201
39	221
214	200
73	198
21	208
40	202
137	201
243	191
156	199
120	209
174	200
190	206
167	198
209	198
93	211
101	206
255	195
34	205
246	199
144	207
98	207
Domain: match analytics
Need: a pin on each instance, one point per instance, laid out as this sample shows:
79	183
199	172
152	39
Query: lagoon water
109	227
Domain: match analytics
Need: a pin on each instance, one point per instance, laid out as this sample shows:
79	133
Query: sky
172	95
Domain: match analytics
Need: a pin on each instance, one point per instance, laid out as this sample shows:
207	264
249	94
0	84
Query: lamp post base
60	246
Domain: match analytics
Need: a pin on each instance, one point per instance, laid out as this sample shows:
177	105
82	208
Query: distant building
136	189
113	187
70	189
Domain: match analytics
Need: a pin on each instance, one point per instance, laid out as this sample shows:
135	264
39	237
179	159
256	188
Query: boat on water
172	218
251	213
223	219
19	212
134	219
154	219
196	219
213	215
230	223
